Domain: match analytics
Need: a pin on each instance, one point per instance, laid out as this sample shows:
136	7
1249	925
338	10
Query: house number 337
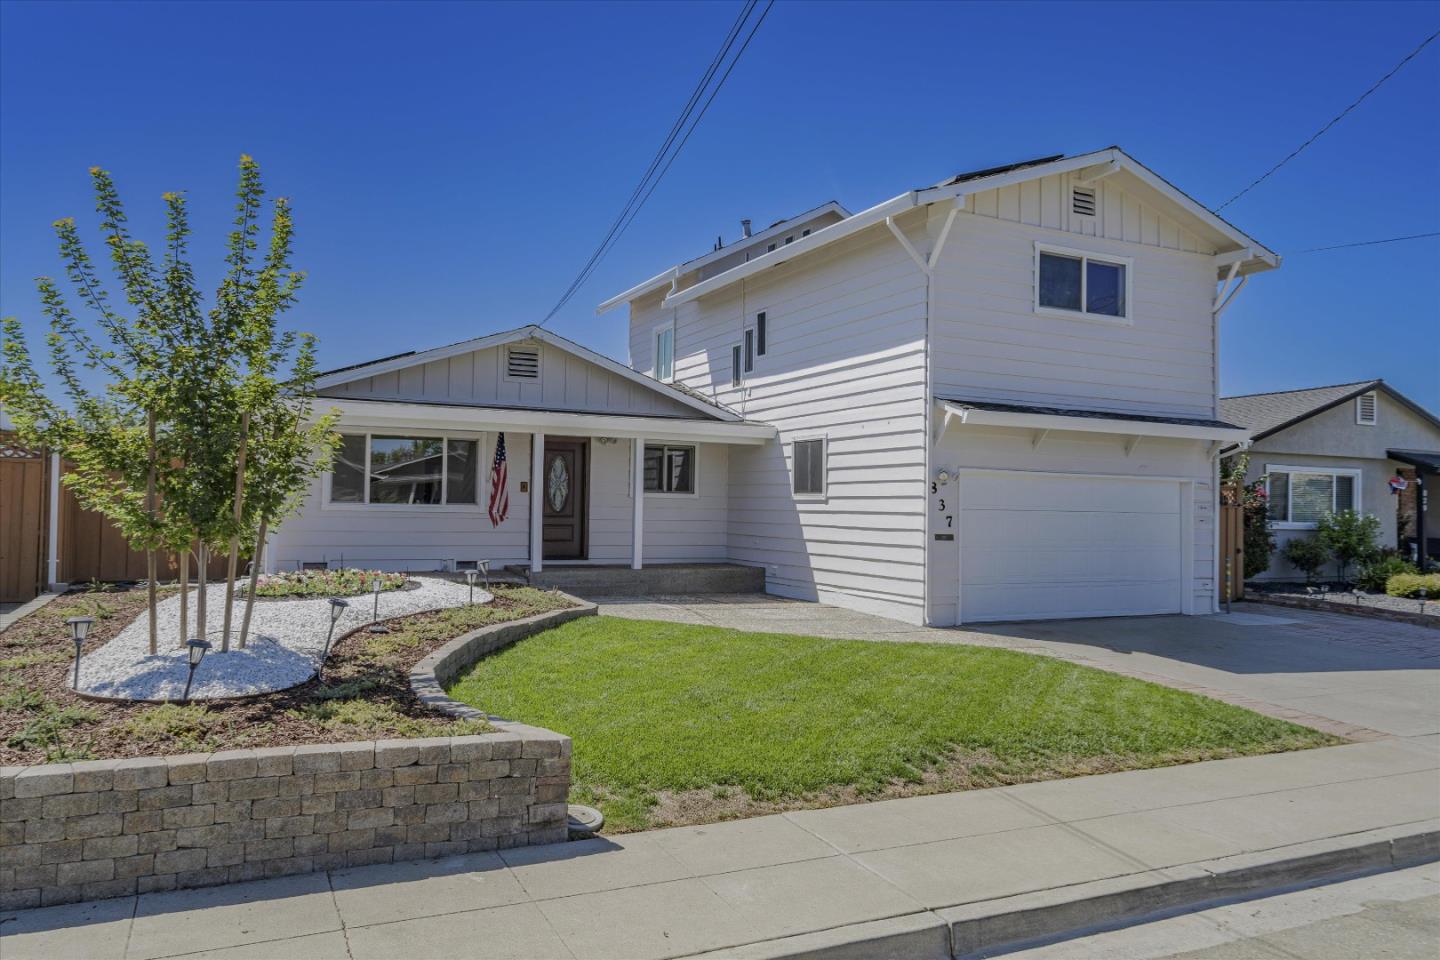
949	520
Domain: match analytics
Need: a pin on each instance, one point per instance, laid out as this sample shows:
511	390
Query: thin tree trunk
202	560
150	552
254	577
184	594
235	536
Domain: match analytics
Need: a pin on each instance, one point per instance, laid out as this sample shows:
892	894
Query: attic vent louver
1082	201
522	363
1365	409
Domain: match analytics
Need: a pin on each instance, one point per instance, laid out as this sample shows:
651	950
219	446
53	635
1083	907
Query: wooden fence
23	484
1231	574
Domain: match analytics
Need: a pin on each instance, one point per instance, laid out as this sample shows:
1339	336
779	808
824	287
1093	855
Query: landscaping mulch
365	693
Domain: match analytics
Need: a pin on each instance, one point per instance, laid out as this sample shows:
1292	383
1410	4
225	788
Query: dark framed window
405	470
749	350
737	376
1088	285
809	467
669	469
760	331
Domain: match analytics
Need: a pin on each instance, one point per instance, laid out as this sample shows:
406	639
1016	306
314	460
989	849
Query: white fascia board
530	332
1128	428
388	414
820	238
661	279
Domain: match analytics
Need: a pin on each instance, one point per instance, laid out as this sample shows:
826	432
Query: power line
1367	243
651	178
1337	118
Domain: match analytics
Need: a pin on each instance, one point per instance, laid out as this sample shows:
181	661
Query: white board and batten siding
844	361
566	382
989	343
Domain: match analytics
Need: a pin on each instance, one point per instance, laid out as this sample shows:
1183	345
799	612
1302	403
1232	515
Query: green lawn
684	724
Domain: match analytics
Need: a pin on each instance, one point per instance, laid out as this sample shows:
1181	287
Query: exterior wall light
196	650
79	630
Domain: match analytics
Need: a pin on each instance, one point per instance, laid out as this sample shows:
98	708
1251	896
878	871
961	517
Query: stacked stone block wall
109	828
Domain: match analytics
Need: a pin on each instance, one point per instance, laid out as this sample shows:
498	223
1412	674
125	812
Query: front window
1090	286
410	471
665	353
1299	498
669	469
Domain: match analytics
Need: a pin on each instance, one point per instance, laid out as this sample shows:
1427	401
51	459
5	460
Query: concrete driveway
1349	675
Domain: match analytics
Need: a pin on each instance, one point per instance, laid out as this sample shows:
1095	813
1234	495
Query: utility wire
1367	243
1337	118
651	179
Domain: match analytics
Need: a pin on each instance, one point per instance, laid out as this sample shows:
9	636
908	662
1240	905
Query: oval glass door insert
557	484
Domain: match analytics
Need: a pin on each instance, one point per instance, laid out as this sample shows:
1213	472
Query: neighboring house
990	399
1327	449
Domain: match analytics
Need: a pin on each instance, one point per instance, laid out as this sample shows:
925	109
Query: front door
566	500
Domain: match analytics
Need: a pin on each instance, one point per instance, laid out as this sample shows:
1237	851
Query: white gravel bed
286	640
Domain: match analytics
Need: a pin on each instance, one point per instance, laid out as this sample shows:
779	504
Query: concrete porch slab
619	580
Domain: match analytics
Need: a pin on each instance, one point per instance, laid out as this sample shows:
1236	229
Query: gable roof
400	361
1237	247
1268	413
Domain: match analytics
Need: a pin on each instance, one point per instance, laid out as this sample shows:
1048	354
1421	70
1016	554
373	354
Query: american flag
499	483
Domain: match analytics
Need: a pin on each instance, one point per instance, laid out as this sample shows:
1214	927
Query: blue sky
452	165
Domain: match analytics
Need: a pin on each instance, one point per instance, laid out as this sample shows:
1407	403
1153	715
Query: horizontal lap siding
989	343
567	382
845	359
416	539
677	528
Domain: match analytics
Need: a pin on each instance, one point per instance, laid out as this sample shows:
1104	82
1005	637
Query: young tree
1306	554
1350	536
199	406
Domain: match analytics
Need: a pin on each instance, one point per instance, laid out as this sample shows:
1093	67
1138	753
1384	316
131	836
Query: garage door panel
1044	547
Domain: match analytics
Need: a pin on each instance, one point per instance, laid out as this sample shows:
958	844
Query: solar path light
196	650
79	630
375	626
470	579
337	610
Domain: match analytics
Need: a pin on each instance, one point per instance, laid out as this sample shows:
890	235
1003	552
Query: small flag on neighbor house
499	485
1398	483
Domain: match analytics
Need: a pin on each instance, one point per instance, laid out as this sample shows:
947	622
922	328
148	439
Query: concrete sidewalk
917	877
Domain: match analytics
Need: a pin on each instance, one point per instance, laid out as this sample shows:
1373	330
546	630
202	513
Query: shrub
1376	572
325	583
367	718
1306	554
188	727
1349	536
1410	585
45	728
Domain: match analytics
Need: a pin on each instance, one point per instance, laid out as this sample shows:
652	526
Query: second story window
737	376
1074	281
665	353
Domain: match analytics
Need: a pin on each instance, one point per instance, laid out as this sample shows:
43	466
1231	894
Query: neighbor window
665	353
1091	286
1300	497
810	467
669	469
410	471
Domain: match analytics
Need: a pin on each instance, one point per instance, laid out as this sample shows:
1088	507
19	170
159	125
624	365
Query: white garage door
1036	547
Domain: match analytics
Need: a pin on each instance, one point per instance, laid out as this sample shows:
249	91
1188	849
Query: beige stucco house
1339	447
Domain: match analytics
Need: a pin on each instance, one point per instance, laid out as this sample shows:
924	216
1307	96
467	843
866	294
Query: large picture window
405	470
1298	497
669	469
1076	282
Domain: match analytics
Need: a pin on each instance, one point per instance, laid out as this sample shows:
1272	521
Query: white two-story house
990	399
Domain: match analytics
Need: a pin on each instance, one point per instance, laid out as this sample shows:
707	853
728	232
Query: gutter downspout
53	547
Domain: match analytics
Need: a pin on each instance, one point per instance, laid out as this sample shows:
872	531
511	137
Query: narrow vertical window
760	326
735	375
749	350
665	353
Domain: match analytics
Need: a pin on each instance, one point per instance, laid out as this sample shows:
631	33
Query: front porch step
617	580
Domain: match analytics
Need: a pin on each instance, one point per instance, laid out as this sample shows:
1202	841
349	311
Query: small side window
760	331
809	467
665	353
749	350
736	376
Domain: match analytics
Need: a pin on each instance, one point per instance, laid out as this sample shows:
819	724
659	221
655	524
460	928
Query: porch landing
619	580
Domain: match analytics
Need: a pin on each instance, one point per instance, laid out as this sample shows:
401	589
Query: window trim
1374	409
824	493
1356	473
1128	320
656	331
694	491
482	477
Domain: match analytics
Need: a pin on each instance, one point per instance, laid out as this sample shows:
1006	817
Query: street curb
985	927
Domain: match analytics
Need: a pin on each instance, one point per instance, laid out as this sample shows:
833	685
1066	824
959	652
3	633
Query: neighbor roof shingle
1261	413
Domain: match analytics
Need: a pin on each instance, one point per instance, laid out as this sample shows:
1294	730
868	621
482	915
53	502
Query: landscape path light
375	627
1423	594
79	630
470	579
337	610
196	650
